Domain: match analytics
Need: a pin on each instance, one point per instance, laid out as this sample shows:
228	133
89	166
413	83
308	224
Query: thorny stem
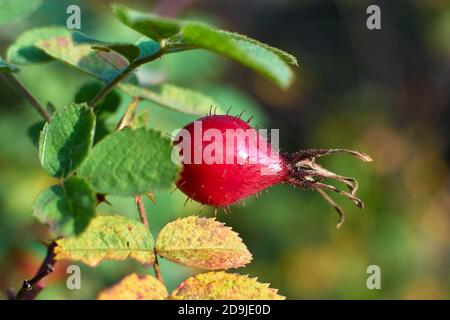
143	216
27	94
31	288
306	173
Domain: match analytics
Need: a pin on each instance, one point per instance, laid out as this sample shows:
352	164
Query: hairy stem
27	94
143	216
31	288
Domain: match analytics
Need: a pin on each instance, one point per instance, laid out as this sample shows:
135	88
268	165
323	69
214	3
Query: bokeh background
384	92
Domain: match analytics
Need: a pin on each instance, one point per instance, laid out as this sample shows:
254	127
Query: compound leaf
130	162
66	208
109	238
202	243
66	140
224	286
135	287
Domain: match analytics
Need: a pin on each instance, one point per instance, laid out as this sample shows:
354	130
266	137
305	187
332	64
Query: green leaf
107	106
104	110
66	140
150	25
109	238
147	48
34	131
202	243
135	287
251	53
130	162
66	208
173	97
12	10
6	67
178	35
23	50
223	286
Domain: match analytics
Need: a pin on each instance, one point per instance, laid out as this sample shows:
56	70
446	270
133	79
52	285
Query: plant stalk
143	216
27	94
31	288
122	75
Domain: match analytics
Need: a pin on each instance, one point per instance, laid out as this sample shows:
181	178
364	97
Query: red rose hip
225	160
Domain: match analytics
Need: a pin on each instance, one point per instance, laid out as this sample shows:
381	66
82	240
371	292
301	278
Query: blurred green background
384	92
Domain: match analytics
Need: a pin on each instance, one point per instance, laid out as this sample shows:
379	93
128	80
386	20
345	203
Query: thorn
43	242
185	202
151	196
240	114
228	111
249	119
102	198
215	110
173	190
169	136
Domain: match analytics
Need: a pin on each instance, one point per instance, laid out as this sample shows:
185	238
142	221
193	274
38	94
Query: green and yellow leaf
101	65
135	287
202	243
224	286
23	50
109	238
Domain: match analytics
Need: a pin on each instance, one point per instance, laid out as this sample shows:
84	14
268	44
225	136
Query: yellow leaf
224	286
109	238
202	243
135	287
